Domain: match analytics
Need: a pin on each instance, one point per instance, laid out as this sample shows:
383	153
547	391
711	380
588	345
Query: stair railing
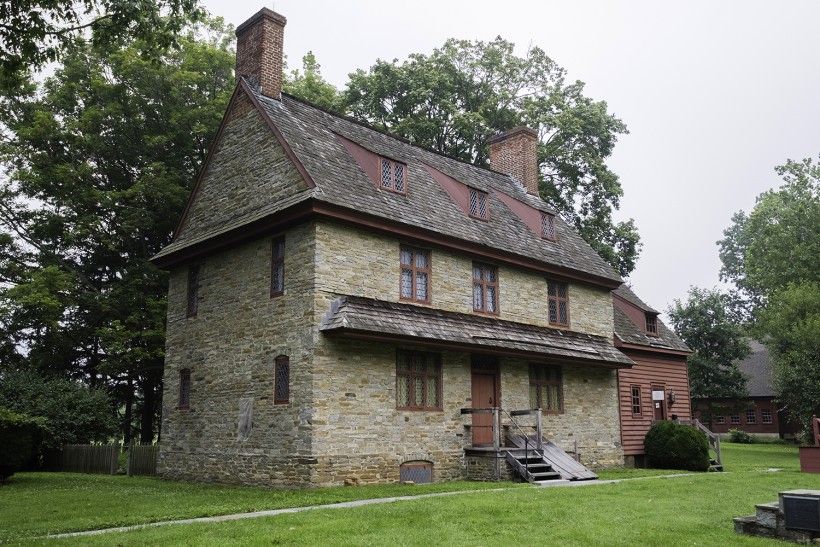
539	450
713	438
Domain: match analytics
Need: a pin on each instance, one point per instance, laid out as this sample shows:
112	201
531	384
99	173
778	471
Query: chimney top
259	51
515	153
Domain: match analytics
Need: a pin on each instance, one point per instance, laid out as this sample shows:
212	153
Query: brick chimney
259	51
515	152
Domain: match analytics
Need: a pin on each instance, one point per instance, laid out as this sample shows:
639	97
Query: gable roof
630	333
757	368
311	135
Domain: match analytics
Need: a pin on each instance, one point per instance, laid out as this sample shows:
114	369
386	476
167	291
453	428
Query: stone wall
230	346
353	261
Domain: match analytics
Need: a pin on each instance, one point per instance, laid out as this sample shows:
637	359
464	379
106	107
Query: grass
695	510
36	504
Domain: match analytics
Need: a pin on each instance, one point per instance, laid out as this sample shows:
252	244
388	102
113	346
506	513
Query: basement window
478	204
393	175
548	226
651	324
418	472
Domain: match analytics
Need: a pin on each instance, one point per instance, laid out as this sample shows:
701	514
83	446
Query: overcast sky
715	94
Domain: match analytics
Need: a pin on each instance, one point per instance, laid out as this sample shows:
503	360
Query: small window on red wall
636	400
766	416
548	226
651	324
478	204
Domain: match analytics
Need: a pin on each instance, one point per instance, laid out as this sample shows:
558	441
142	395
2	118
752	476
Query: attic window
548	226
478	204
393	175
651	324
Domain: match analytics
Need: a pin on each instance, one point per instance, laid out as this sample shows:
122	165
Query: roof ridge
386	133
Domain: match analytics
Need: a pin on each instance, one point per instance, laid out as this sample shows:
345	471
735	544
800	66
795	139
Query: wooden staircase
546	463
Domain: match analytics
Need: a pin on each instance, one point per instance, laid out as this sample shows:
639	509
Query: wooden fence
142	459
90	458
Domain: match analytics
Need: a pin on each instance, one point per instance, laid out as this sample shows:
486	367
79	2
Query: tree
717	343
73	412
771	256
310	86
36	32
790	324
98	163
464	92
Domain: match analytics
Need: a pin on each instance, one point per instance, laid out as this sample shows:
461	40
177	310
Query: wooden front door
485	388
659	404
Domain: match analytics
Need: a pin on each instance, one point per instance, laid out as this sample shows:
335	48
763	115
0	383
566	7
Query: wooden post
496	429
538	429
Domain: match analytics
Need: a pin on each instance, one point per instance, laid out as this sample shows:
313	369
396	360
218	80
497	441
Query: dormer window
651	324
548	226
393	175
478	204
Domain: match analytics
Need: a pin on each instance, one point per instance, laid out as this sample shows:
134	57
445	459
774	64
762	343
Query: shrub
20	435
676	446
738	436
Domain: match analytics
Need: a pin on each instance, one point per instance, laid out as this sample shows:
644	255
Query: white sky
715	94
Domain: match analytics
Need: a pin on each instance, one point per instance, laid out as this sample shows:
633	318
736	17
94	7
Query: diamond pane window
485	288
548	226
277	267
546	389
418	380
478	204
393	175
414	281
558	303
281	375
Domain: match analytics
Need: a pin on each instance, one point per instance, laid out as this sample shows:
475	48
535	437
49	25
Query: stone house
345	306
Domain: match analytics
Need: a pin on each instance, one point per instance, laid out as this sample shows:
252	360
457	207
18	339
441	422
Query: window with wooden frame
418	380
558	303
414	282
720	419
766	416
281	380
546	388
548	226
193	290
393	175
479	208
734	419
485	288
651	324
277	267
751	416
184	389
636	400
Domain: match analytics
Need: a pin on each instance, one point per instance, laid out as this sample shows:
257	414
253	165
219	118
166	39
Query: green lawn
694	510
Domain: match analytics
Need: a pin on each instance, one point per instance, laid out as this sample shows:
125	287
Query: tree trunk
150	401
127	425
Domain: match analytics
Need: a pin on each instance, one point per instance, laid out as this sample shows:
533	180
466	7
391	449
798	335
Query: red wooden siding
650	369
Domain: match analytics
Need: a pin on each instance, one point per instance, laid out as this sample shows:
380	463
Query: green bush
676	446
20	435
738	436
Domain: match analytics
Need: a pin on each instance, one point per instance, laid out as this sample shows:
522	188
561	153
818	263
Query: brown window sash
184	389
392	176
418	380
558	303
277	267
651	325
636	401
479	207
414	279
193	291
485	288
281	380
548	226
546	388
